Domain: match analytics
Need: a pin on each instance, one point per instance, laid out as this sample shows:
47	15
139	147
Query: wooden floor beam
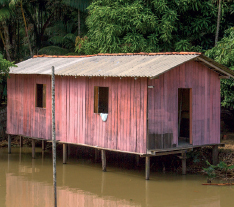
147	168
9	144
103	152
33	148
64	153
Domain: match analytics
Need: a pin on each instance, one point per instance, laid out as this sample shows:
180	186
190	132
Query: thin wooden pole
9	144
184	169
103	160
43	145
64	153
147	168
53	135
215	154
33	148
21	141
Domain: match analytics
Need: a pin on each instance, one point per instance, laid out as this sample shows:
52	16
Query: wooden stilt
9	144
215	153
64	153
137	160
43	143
103	160
33	148
183	159
21	141
147	168
97	153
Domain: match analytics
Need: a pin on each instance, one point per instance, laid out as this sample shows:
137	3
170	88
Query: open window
41	95
101	99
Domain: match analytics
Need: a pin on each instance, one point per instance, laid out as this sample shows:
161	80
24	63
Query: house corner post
64	153
9	144
215	155
21	141
33	148
103	160
147	167
183	159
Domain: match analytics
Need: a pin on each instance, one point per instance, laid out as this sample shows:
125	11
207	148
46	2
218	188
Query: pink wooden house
148	104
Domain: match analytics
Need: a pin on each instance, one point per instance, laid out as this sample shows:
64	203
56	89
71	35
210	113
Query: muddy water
26	182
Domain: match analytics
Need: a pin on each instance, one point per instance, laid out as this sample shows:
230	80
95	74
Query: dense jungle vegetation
61	27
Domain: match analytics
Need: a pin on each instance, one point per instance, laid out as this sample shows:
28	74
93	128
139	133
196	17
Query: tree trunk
78	22
6	43
218	22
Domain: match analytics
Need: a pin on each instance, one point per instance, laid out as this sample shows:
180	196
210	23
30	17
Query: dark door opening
184	116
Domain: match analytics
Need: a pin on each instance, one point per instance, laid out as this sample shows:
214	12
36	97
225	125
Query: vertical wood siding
76	122
163	102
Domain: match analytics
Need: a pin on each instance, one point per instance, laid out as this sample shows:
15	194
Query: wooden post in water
43	145
21	141
9	144
53	135
64	153
215	155
103	160
147	168
183	159
33	148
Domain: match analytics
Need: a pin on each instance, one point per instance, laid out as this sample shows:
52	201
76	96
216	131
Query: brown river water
28	182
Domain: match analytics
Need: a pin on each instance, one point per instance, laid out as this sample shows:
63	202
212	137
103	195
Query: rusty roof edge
216	65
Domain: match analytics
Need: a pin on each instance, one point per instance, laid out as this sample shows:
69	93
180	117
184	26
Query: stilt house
146	103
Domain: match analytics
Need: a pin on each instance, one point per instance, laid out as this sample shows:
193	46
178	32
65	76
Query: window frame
97	100
40	104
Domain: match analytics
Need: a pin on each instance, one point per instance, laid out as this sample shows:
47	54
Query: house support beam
147	168
9	144
103	152
21	141
33	148
183	159
64	153
215	155
43	143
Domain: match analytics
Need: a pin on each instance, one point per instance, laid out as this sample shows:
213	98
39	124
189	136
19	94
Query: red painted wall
76	122
163	102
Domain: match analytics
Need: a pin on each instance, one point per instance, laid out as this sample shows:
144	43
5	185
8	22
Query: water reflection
28	182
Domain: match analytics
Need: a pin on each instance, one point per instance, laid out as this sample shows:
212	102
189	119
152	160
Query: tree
151	26
223	53
4	67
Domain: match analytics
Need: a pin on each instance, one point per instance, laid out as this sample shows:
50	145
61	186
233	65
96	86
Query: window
101	99
41	95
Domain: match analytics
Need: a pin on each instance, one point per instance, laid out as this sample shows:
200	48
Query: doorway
184	116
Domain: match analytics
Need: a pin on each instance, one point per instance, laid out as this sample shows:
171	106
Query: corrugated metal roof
108	65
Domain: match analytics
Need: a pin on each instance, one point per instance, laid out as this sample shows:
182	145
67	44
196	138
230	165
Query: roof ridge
120	54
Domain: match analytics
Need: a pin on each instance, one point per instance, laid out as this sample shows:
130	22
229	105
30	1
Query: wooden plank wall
163	102
76	122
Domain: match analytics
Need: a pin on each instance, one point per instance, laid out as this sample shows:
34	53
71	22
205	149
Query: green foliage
223	53
4	67
53	50
210	170
152	26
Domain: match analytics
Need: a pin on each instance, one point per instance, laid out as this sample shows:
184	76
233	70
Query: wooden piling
64	153
33	148
147	168
183	159
21	141
215	153
9	144
43	143
103	160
